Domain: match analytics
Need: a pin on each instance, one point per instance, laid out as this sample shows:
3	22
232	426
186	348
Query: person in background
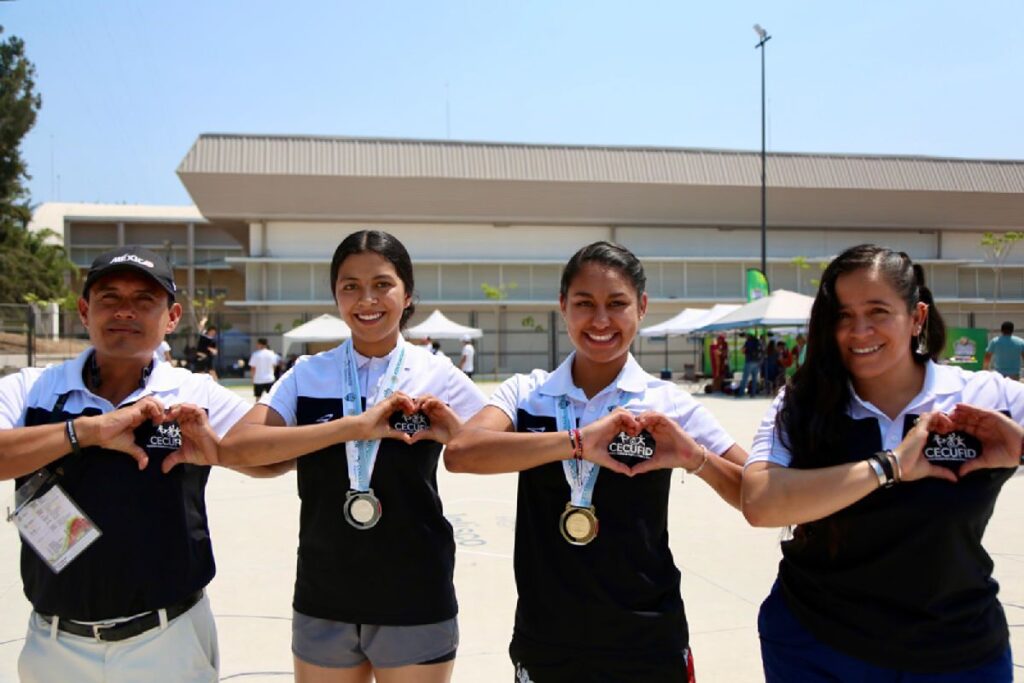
785	363
262	364
162	354
772	368
719	362
206	352
799	352
1004	352
752	352
466	360
435	348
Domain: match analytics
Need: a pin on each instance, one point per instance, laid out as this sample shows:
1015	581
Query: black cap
132	258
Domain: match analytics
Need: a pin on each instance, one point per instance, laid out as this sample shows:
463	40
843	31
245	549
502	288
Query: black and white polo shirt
620	593
155	546
900	578
400	571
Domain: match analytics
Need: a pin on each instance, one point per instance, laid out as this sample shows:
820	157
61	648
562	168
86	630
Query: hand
1000	437
444	423
198	440
910	453
374	421
116	431
673	446
598	434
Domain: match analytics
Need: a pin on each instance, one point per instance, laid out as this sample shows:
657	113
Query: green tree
33	267
996	247
499	293
19	103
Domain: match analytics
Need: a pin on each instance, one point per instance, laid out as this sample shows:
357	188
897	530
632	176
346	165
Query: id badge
51	523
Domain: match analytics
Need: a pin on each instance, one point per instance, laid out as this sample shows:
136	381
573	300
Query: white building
273	208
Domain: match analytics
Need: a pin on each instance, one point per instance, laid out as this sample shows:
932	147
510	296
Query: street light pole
764	210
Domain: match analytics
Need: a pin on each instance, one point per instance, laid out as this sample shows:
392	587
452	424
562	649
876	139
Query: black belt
126	629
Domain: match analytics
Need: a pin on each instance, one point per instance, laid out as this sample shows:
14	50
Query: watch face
951	450
408	424
632	450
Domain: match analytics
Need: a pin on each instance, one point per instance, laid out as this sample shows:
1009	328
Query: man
262	364
124	553
163	353
468	354
1004	352
751	365
206	352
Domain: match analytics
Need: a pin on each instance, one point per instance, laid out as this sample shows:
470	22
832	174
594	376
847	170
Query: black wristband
883	459
69	429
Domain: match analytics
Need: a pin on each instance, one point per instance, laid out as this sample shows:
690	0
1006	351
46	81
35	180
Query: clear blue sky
127	86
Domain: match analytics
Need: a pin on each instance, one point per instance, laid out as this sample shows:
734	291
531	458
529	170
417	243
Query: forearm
724	477
781	496
267	471
484	451
250	444
26	449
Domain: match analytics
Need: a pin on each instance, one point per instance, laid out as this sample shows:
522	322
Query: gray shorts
340	645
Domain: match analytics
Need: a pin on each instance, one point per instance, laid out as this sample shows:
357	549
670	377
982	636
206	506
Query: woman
885	577
373	593
597	600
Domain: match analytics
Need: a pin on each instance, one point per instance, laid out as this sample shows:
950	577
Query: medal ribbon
580	474
362	455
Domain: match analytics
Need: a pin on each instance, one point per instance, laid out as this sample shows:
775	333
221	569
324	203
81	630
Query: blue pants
751	370
790	653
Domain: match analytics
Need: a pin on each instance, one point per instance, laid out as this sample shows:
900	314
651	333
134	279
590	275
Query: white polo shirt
38	388
155	547
400	572
470	354
625	581
944	387
321	376
263	362
160	354
900	578
534	395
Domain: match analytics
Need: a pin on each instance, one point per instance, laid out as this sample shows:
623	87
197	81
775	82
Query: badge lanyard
47	518
362	455
580	474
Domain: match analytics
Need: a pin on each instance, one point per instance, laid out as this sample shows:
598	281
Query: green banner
965	347
757	285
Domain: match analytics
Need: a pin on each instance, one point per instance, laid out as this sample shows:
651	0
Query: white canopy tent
325	328
782	308
437	326
717	312
685	322
681	323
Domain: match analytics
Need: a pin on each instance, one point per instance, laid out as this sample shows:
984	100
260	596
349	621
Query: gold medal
362	509
578	524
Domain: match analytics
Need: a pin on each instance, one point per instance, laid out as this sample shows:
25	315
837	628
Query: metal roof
408	159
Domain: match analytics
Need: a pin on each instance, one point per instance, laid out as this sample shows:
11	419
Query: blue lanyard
362	455
580	474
